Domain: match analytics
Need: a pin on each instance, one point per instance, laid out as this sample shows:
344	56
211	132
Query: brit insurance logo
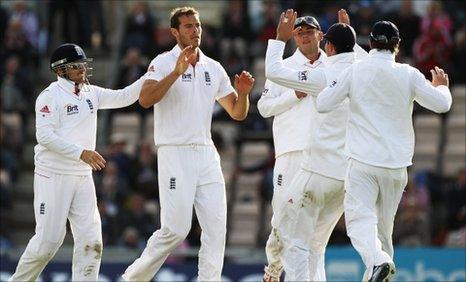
71	109
186	77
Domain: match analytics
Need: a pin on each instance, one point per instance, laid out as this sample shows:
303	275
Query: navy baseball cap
384	32
342	36
307	20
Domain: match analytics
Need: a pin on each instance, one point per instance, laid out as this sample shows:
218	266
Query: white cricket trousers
286	166
188	176
313	207
58	197
371	200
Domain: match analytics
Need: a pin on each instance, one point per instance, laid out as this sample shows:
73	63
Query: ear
175	33
320	35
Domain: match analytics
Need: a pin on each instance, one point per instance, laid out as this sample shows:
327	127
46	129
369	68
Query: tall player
291	124
380	141
314	200
66	123
183	85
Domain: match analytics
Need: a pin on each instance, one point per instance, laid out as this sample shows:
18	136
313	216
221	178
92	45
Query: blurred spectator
5	208
71	23
413	211
109	223
4	17
234	63
29	21
236	28
437	17
210	41
116	152
459	55
93	32
329	16
132	68
112	189
136	215
15	91
271	16
456	202
433	48
363	20
131	239
408	24
16	44
11	150
143	174
139	29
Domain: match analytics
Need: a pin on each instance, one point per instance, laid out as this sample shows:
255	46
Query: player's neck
313	56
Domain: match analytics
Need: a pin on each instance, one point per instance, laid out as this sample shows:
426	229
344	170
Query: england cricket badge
207	78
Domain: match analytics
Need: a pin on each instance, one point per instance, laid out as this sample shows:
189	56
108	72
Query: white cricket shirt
381	94
66	123
184	115
291	121
326	136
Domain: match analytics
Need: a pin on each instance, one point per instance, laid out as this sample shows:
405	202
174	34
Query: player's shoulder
49	91
162	58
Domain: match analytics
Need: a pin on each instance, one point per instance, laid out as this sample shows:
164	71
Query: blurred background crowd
124	36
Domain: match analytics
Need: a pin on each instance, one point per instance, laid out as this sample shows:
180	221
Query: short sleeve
158	68
225	86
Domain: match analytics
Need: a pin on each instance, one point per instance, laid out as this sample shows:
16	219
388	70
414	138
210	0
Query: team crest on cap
79	51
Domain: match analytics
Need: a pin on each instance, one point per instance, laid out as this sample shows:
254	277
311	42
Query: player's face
189	32
307	38
77	72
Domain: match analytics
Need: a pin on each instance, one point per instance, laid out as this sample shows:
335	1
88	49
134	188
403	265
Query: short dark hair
391	46
178	12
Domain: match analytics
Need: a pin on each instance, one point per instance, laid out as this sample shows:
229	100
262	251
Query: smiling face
307	39
189	31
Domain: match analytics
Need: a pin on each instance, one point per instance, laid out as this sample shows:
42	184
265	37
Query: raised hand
343	17
244	83
186	57
94	159
439	77
286	25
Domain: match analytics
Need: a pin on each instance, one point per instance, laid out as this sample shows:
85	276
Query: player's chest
73	111
198	79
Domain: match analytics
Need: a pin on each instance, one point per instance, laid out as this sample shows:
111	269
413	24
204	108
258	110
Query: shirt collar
382	54
303	60
347	57
68	85
176	50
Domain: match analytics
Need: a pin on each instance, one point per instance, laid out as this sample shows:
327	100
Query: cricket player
66	123
291	124
380	141
314	200
183	85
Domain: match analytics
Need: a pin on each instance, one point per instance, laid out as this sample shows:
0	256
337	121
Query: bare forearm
240	107
152	93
